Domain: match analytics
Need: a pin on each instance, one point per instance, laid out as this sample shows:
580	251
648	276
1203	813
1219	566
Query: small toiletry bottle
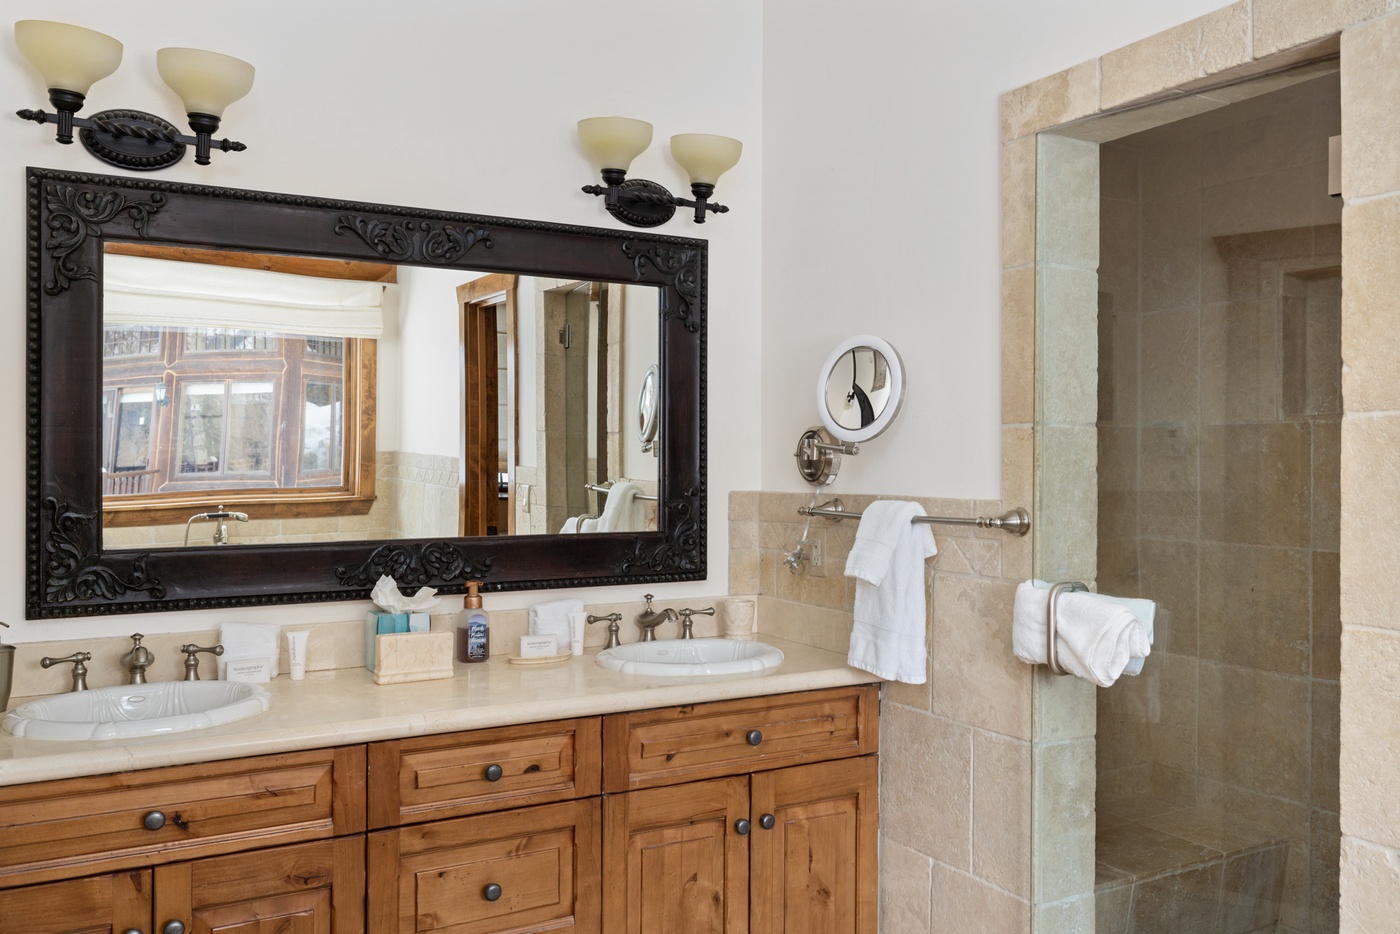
473	636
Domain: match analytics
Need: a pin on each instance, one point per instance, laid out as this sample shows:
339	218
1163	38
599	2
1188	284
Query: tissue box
412	656
378	624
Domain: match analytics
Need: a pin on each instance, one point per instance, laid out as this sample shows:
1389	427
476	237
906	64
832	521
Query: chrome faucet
687	622
220	530
192	658
612	619
649	619
138	660
79	669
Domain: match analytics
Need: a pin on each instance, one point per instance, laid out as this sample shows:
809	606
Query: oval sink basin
688	658
133	710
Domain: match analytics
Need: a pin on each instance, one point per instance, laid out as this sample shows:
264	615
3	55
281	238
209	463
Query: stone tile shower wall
1219	440
955	783
1248	38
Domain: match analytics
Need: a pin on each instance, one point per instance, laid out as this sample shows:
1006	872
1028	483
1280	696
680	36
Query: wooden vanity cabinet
774	849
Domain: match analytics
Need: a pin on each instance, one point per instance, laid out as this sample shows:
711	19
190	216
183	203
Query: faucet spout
649	619
138	660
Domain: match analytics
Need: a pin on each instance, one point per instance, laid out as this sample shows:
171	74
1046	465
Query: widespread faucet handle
686	622
612	619
79	669
192	658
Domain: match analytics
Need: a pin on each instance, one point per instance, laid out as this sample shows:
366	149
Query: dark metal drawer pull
494	773
153	821
492	892
754	737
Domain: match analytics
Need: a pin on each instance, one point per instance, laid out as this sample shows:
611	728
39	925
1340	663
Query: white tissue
387	596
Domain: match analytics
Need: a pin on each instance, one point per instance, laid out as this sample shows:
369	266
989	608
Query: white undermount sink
688	658
132	710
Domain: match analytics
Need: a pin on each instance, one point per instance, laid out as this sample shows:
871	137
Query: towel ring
1052	658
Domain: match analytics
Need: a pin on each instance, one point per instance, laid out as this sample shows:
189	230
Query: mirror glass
860	388
242	398
242	381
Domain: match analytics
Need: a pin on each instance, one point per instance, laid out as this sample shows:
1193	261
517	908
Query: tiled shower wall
955	791
1219	431
1248	38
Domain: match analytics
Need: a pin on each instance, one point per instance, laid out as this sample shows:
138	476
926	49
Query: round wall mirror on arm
646	410
859	392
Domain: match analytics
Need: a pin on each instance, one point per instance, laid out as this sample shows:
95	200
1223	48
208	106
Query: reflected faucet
649	619
220	530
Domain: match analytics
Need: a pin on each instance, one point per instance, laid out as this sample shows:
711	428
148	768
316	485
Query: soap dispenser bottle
474	636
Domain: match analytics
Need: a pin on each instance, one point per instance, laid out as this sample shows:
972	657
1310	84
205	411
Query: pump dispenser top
474	636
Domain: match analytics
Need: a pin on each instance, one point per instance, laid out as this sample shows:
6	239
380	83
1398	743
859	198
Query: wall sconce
162	395
613	142
72	59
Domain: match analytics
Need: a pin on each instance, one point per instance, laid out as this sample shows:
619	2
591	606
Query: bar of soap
538	646
257	670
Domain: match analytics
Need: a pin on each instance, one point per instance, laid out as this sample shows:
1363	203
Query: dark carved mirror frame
71	215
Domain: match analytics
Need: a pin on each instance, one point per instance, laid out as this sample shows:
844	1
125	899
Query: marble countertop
334	708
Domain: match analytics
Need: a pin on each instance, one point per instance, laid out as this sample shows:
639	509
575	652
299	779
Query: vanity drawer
430	777
673	744
532	869
56	829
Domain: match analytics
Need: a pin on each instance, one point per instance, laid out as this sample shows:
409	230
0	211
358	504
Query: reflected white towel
1098	635
552	619
570	526
620	509
887	561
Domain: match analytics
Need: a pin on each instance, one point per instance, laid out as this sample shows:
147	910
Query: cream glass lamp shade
613	142
206	81
70	58
705	157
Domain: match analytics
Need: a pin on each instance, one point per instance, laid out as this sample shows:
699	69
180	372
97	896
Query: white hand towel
552	619
1098	635
620	508
887	562
570	526
243	641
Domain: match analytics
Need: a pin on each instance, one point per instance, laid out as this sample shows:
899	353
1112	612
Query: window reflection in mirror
336	401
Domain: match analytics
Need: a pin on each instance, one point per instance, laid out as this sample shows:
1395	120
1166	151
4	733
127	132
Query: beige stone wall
956	751
1244	39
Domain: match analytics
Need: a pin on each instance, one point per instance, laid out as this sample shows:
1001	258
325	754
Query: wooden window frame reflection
355	495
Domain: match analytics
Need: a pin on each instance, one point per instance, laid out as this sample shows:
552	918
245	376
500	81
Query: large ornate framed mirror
339	390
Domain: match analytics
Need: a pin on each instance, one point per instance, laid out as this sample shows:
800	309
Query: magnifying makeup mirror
860	390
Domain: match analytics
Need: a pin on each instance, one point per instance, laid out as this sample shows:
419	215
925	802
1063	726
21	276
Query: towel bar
1052	656
1017	521
599	488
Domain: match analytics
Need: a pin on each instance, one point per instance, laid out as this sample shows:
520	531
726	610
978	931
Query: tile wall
956	751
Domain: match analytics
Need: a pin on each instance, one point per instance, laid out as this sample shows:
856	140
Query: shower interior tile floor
1165	867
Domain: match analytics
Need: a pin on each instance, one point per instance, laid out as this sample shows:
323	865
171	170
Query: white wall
882	215
466	105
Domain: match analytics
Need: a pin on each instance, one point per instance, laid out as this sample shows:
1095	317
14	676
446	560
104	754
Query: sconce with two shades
613	142
72	59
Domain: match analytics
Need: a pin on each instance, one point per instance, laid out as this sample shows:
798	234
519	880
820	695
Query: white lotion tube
576	622
296	653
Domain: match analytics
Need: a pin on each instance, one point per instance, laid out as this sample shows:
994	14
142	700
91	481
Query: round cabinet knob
754	737
492	892
742	826
767	822
154	821
494	773
173	927
133	931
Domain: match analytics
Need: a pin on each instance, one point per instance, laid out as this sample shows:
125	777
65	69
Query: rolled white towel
1098	635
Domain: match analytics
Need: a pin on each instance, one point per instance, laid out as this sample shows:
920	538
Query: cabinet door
307	888
110	904
814	871
531	869
675	861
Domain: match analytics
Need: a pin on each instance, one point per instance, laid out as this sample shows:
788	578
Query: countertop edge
820	669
